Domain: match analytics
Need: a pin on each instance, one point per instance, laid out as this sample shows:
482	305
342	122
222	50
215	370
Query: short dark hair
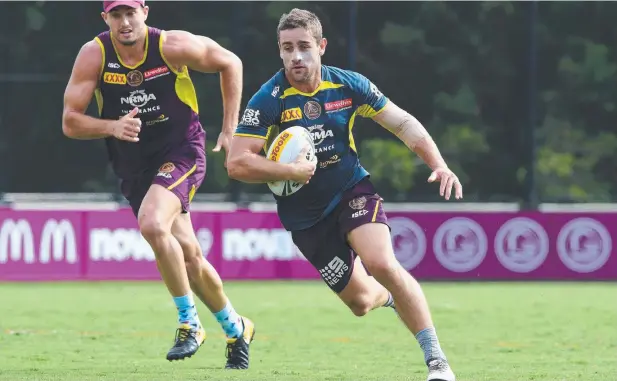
300	18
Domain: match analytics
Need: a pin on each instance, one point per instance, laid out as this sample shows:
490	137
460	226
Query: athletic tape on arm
399	122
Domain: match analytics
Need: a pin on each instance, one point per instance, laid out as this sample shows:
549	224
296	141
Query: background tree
461	68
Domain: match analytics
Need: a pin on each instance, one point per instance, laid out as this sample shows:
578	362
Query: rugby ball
285	149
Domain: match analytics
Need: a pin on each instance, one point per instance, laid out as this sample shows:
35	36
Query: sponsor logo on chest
145	101
339	105
312	110
114	78
134	78
143	97
291	114
155	73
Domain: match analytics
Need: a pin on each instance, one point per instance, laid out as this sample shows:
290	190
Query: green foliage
594	67
567	160
463	102
275	9
390	163
35	18
216	173
403	35
460	68
576	136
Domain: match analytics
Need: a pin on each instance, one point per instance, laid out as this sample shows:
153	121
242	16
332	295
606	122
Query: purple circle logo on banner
584	245
408	241
460	244
521	245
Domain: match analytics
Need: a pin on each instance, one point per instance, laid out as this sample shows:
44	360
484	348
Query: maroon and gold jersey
165	97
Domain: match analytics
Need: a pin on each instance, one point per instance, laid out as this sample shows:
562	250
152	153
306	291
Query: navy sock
390	302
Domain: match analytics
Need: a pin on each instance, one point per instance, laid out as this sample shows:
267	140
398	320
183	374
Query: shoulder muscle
89	61
372	100
200	53
85	76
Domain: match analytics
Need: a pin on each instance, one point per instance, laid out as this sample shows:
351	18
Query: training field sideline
490	331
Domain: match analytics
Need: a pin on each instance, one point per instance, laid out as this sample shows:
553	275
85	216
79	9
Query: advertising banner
41	245
255	246
107	245
505	246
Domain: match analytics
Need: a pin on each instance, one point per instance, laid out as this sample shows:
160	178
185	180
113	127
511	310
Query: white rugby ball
285	149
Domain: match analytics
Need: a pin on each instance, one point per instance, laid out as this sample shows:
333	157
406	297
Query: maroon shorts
325	243
181	171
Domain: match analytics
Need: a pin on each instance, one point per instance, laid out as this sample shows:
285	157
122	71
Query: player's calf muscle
203	278
360	304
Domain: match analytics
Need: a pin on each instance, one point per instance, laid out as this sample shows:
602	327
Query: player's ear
322	46
104	16
146	10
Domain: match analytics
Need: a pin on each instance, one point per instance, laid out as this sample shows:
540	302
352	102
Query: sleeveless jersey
328	114
165	97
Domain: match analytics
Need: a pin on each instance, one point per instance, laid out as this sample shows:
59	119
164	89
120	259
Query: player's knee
360	305
151	227
383	269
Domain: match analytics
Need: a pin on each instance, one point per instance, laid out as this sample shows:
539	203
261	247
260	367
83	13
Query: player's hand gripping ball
285	149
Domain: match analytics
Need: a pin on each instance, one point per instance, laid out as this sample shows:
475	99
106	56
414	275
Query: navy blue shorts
325	243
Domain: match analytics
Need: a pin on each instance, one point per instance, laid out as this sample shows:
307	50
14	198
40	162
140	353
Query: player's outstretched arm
411	132
246	165
202	54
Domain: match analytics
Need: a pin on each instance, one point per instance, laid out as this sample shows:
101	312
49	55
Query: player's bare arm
203	54
246	165
78	94
411	132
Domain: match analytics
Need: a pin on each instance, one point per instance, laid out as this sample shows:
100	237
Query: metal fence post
530	196
234	187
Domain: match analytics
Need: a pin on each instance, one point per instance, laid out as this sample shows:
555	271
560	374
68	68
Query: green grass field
490	331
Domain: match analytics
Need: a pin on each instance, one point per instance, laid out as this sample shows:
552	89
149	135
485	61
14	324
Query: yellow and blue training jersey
328	114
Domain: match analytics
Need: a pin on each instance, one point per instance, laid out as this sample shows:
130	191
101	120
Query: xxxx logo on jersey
114	78
291	114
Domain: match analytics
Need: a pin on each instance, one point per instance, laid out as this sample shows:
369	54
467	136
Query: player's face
301	54
126	24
